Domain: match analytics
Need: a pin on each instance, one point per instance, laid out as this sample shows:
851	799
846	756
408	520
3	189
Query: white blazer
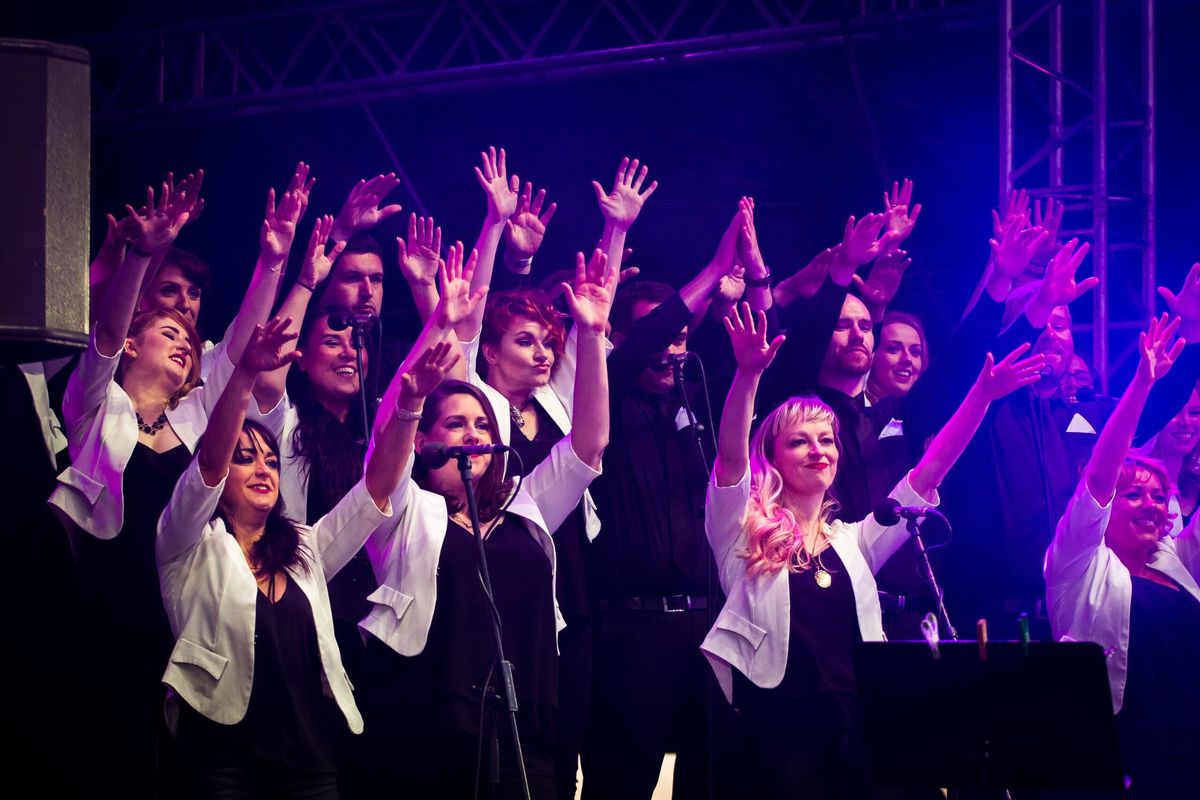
405	555
751	633
210	595
556	398
1089	590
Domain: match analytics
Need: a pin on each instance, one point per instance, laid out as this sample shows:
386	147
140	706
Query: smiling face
523	359
1139	512
853	342
459	419
172	289
329	363
252	487
1179	436
899	360
160	351
806	455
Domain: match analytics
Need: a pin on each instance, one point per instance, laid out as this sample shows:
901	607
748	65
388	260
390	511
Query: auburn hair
144	320
774	538
505	309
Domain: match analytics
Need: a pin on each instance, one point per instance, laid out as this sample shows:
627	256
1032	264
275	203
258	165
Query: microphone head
887	512
1085	394
339	319
433	454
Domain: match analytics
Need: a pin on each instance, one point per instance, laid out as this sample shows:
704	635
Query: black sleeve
808	325
1169	395
940	389
647	337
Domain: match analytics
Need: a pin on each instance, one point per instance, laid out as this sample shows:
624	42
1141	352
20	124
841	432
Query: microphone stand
914	531
358	339
506	668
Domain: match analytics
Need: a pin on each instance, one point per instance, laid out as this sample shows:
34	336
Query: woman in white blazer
1115	577
800	585
431	653
256	675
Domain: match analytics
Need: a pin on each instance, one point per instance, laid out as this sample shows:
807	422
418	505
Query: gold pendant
823	578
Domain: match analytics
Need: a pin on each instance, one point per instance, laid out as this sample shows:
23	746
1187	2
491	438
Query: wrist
138	251
340	233
757	278
306	282
409	406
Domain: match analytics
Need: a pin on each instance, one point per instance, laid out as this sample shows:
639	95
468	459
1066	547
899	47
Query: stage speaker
45	168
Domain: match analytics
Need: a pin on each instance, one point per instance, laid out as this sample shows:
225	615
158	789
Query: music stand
1030	716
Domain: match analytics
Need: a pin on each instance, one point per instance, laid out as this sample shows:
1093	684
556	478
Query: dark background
784	128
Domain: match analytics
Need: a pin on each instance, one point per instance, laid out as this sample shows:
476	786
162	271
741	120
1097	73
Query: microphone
1085	394
435	454
341	319
888	512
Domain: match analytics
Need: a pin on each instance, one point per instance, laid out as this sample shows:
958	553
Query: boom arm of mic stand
506	670
915	532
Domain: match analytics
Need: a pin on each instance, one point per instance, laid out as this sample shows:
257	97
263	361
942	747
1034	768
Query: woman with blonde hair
800	584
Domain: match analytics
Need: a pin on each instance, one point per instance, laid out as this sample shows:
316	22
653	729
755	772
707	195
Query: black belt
671	604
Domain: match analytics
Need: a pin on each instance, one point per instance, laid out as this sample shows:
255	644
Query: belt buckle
666	604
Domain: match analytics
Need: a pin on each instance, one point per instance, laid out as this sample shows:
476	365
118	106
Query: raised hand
186	193
590	300
362	211
500	188
266	349
730	288
1017	207
750	348
748	253
1059	287
153	228
1051	222
279	226
419	256
861	243
998	380
429	370
1015	248
526	228
301	185
807	280
457	302
623	204
901	214
1186	304
317	261
881	285
1156	351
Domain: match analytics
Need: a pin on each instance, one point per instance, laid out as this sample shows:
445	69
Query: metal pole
1149	167
1100	190
1006	101
1056	95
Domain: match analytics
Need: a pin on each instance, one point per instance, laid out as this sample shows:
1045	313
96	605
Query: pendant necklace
821	575
518	418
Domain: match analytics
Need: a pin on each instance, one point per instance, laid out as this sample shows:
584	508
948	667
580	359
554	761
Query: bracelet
758	283
406	415
311	289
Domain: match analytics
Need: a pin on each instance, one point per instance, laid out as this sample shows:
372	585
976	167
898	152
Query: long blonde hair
774	538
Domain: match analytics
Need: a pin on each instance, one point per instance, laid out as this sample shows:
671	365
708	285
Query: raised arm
995	381
1157	354
318	263
753	355
590	301
757	276
419	257
621	207
501	190
151	232
275	237
525	230
362	210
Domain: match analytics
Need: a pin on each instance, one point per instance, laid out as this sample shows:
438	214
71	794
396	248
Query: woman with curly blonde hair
800	585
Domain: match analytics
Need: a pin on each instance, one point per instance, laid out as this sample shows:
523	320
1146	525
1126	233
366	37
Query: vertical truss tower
1089	66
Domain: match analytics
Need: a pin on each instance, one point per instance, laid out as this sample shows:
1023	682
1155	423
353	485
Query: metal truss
1094	146
355	52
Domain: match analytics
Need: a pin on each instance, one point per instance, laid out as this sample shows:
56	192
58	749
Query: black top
441	685
289	720
119	576
348	589
1157	722
820	668
570	540
651	495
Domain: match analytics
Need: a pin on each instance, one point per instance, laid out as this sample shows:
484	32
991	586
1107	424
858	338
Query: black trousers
575	653
260	781
651	694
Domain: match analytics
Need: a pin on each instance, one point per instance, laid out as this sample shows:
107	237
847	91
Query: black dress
574	601
424	716
289	721
1157	725
803	736
127	632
